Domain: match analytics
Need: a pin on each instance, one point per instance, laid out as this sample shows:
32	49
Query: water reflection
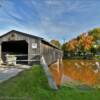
84	71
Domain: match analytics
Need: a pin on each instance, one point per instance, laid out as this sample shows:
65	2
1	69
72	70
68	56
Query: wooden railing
21	58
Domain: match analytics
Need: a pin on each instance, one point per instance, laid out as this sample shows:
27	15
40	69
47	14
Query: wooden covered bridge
27	49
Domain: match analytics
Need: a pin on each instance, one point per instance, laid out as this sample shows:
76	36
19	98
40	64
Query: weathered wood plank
50	53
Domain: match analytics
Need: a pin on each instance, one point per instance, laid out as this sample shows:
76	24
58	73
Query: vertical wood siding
50	53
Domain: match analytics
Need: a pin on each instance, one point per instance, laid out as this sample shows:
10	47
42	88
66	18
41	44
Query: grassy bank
32	85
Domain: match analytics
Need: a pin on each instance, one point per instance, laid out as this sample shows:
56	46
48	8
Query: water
84	71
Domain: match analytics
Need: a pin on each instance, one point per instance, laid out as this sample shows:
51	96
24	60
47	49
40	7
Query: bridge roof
32	36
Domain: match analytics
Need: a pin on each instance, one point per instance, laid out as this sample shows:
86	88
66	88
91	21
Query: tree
56	43
72	45
65	50
95	33
86	42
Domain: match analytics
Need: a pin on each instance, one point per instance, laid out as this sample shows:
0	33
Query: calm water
84	71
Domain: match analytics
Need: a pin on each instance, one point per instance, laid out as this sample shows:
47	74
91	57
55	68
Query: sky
50	19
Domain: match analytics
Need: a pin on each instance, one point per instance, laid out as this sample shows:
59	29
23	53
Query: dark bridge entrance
16	48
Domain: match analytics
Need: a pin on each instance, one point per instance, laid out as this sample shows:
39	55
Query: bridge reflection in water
57	71
84	71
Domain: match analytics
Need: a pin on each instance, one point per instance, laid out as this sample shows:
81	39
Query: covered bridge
27	48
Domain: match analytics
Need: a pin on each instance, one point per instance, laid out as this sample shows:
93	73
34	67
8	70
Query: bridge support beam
51	81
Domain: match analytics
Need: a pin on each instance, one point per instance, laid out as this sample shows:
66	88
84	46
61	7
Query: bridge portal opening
17	48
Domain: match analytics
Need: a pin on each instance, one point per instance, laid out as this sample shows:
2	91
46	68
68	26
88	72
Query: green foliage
56	43
95	33
64	47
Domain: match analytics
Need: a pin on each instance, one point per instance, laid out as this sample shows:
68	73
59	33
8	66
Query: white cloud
45	16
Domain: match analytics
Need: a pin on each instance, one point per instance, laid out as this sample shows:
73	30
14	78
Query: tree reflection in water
85	71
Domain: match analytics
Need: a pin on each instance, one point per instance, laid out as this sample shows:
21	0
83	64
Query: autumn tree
72	45
56	43
85	42
79	45
95	33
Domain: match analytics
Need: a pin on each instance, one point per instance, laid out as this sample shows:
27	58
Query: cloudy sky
50	19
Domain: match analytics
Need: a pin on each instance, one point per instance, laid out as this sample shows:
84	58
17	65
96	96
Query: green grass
32	85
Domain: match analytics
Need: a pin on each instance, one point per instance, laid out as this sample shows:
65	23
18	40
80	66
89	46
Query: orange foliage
86	41
71	46
85	73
